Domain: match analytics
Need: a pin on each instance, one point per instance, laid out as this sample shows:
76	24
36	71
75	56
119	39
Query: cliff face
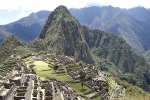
62	33
129	65
111	47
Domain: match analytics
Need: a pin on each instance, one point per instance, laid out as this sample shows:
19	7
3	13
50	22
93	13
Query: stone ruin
31	87
19	84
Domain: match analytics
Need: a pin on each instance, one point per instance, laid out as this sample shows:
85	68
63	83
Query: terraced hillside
12	45
7	66
68	69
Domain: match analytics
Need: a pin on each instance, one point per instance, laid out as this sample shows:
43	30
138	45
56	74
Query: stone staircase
11	95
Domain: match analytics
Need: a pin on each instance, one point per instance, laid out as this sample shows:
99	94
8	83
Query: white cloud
27	6
21	15
36	5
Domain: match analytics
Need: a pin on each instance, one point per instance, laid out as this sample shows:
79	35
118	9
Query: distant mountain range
131	24
27	28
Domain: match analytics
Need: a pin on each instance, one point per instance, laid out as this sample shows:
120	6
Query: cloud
36	5
21	15
25	7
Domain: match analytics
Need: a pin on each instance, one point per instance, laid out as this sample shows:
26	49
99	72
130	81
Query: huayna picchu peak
59	14
62	33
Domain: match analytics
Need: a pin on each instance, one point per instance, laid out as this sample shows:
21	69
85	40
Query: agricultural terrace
44	69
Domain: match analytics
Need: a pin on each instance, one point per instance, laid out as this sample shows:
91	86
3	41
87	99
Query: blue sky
12	10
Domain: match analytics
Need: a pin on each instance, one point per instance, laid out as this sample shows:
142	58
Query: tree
33	70
55	68
82	77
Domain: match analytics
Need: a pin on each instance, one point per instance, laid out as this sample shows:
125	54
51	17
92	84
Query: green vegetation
50	62
72	66
82	77
43	70
147	56
8	65
22	51
123	62
78	88
37	46
96	98
133	92
12	45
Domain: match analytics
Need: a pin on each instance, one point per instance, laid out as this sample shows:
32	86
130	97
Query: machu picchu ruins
21	81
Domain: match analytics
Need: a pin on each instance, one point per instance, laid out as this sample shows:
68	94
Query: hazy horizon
14	10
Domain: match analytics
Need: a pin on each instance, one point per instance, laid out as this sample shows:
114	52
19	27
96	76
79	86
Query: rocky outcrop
62	33
129	65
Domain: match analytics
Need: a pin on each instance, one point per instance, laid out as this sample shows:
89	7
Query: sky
12	10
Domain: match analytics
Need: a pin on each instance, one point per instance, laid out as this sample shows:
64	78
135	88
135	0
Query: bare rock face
130	66
62	33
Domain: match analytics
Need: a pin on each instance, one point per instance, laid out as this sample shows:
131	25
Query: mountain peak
8	46
12	40
62	33
61	12
61	8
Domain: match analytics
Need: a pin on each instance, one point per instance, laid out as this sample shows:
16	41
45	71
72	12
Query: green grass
133	92
72	66
49	61
42	70
96	98
78	88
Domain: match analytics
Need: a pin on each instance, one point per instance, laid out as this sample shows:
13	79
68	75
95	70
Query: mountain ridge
27	28
120	22
133	27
